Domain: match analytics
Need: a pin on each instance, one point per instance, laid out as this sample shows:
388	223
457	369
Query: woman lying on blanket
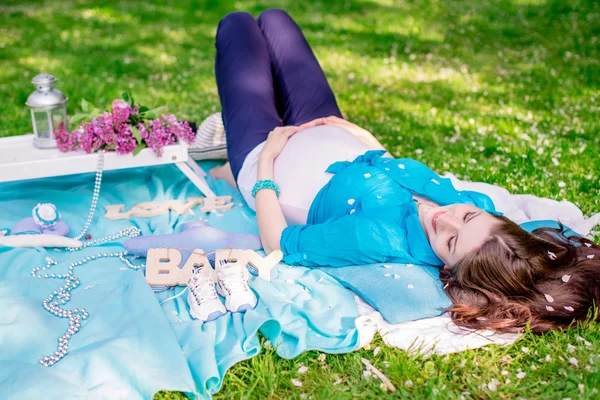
326	192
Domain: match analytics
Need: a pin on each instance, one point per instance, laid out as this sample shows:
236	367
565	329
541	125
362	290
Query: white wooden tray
20	160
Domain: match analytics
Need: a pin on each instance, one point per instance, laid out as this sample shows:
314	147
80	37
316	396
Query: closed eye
468	217
450	241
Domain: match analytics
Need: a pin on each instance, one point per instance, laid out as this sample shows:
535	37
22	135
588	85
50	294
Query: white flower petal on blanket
387	275
367	175
386	266
588	244
549	308
552	255
396	276
569	308
296	382
351	201
410	286
549	298
352	211
302	369
590	256
435	181
565	278
401	166
409	265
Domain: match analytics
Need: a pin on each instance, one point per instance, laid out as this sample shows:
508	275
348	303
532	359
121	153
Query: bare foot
223	172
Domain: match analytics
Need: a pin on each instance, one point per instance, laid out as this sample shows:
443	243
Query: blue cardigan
366	214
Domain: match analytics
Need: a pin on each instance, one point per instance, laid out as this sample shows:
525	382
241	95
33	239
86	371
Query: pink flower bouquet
128	128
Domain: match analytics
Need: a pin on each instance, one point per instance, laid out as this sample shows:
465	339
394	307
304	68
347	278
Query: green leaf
136	134
126	97
76	120
154	113
85	106
143	109
132	102
94	113
139	148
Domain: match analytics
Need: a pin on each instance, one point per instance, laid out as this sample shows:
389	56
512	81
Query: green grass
500	91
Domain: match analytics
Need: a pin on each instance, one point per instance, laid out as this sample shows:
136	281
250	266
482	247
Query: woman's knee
235	23
273	15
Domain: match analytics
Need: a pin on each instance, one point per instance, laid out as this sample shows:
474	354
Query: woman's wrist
266	157
265	166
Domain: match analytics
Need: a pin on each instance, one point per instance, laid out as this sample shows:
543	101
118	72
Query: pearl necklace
62	296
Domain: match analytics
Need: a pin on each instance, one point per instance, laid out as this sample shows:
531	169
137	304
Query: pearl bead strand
95	196
62	296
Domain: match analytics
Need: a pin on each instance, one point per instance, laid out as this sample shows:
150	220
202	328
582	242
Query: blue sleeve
347	240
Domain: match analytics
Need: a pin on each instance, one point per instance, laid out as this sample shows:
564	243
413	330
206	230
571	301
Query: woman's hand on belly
360	133
277	140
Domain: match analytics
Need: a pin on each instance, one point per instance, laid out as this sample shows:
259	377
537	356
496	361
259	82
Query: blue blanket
131	347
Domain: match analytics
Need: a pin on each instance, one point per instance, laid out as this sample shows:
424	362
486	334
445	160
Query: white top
299	171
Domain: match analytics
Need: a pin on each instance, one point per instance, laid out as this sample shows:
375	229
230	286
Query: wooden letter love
153	208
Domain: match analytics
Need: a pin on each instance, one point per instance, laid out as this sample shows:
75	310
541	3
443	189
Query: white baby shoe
204	303
233	285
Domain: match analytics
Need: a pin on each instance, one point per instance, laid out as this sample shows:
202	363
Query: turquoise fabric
366	214
131	346
400	292
547	223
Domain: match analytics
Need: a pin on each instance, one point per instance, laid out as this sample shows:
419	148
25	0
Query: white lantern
48	111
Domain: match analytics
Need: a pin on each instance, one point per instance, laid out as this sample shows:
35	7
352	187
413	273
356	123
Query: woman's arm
362	134
271	221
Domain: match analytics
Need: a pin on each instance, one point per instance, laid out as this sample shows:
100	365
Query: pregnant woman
327	193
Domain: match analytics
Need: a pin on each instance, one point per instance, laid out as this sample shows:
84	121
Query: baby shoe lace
232	280
203	288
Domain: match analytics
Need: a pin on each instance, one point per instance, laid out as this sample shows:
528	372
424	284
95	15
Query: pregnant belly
299	170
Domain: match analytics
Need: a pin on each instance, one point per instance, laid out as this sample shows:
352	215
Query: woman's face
456	230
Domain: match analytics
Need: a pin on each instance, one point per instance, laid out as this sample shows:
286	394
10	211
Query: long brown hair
544	279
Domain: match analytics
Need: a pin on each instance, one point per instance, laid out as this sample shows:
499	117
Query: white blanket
439	334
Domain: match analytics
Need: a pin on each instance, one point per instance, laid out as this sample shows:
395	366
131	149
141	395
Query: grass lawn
502	91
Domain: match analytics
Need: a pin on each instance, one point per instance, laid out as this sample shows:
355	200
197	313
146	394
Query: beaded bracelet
265	184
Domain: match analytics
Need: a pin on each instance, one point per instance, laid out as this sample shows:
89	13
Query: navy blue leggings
267	76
